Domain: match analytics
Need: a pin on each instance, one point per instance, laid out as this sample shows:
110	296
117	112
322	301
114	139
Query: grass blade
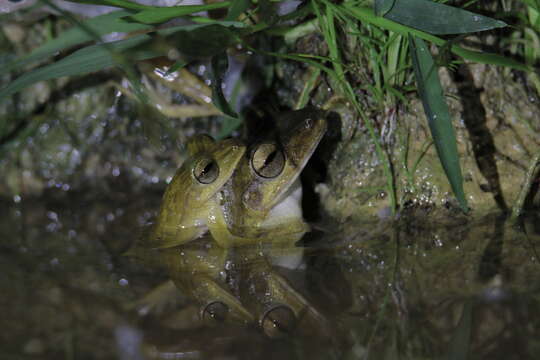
436	18
220	64
99	25
367	15
124	4
436	109
97	57
84	61
162	14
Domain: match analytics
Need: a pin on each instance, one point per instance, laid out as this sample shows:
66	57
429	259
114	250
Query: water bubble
123	282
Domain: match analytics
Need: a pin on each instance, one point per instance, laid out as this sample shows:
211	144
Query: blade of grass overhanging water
436	109
100	25
437	18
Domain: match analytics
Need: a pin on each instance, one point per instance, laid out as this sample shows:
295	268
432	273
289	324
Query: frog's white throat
287	209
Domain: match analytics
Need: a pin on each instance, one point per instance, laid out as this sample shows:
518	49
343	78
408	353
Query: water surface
411	289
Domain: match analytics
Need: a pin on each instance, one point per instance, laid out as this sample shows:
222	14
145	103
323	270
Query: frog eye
278	321
206	171
215	311
268	160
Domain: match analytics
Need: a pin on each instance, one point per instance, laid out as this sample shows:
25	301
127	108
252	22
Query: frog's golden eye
268	160
206	171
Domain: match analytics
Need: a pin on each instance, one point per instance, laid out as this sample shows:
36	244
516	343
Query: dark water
412	289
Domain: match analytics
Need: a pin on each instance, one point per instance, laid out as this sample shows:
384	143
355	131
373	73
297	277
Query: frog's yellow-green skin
255	208
188	199
240	209
198	269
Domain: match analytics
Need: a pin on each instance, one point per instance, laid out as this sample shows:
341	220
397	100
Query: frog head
189	196
268	176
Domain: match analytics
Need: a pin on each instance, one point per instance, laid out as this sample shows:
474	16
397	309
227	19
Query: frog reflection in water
257	208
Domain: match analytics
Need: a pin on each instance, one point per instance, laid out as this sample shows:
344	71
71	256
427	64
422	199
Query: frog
269	171
262	201
189	196
201	268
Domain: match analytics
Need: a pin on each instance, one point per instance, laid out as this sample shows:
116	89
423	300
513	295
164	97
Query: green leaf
367	15
87	60
237	8
205	41
381	7
101	56
438	18
125	4
220	64
533	4
436	109
162	14
99	25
